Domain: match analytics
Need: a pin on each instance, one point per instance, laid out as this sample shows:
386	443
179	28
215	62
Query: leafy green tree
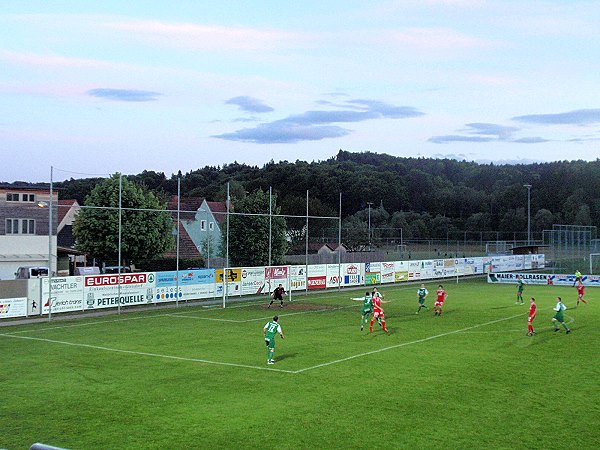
249	232
543	220
583	216
144	234
355	233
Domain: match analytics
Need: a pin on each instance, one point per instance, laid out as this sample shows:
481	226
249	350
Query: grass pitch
197	377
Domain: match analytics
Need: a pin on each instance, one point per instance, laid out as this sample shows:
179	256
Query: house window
20	226
211	226
16	197
203	225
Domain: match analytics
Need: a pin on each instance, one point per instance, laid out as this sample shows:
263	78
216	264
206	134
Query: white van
24	273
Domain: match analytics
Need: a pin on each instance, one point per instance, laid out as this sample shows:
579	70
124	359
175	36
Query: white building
24	233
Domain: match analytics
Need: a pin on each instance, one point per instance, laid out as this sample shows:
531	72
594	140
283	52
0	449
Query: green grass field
197	377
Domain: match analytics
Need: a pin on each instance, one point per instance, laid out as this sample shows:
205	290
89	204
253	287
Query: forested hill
469	195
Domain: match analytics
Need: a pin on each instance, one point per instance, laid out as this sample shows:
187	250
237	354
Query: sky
93	88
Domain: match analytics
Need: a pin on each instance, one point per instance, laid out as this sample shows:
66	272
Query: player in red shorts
441	298
378	313
580	293
532	312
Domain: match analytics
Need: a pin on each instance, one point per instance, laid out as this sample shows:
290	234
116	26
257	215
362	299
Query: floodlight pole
528	186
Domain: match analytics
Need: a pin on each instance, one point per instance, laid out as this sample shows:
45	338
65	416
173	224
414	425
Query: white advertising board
352	274
511	278
253	280
106	291
66	294
185	285
388	270
298	278
13	307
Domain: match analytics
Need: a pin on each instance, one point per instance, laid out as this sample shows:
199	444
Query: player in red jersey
378	313
580	293
441	298
532	312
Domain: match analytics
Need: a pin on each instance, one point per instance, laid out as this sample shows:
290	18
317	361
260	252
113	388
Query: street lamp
528	186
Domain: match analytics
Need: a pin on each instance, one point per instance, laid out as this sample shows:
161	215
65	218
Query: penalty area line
152	355
404	344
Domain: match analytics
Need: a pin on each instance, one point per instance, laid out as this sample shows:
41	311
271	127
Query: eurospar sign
112	280
104	291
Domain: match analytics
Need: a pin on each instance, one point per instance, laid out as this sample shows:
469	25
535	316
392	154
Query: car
115	269
24	273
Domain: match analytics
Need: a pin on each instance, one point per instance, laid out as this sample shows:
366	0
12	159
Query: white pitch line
187	316
85	324
154	355
404	344
184	316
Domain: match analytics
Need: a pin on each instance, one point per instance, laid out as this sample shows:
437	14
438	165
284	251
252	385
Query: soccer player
270	330
378	313
367	309
421	296
441	298
559	317
520	287
278	294
532	312
580	293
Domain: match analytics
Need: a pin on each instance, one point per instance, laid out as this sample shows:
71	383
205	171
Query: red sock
371	327
530	328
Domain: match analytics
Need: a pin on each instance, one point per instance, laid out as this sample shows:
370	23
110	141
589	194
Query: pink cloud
207	37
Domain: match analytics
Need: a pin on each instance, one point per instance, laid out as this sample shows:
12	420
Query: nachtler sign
528	278
105	291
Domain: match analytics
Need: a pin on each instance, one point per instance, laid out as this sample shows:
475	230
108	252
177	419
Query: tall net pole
339	249
120	239
270	224
177	256
306	254
50	218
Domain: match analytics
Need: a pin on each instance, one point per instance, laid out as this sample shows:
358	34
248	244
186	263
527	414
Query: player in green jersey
520	287
559	317
421	296
270	330
367	309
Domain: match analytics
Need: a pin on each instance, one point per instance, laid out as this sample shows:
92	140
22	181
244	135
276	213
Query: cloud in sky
316	125
577	117
457	138
249	104
206	37
530	140
283	131
432	39
490	129
124	95
478	132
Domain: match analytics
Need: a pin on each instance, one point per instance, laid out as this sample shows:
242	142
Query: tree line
384	198
424	196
